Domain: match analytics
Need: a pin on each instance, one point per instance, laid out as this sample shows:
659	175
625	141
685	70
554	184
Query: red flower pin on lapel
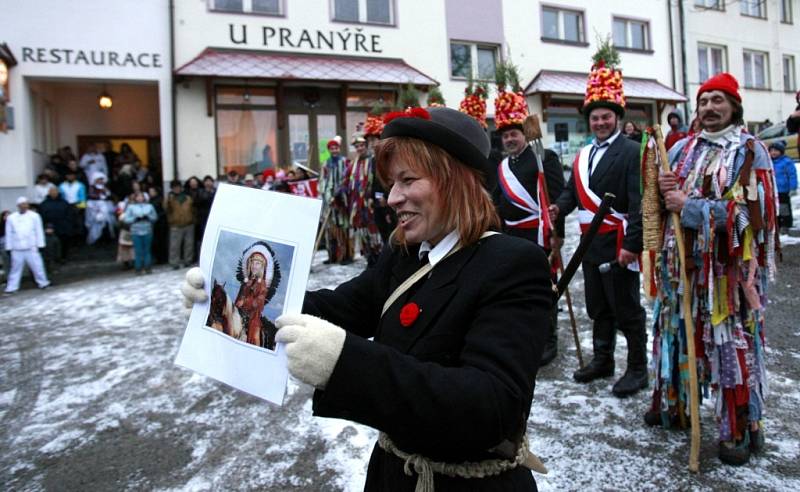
409	313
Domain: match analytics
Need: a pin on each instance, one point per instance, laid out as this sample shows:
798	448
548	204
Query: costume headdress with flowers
374	124
604	85
474	102
510	108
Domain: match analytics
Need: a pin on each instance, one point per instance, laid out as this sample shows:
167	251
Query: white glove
313	346
192	287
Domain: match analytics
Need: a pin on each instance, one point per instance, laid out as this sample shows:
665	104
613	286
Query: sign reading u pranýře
342	40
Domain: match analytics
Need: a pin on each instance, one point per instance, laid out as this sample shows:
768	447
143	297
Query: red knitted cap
724	82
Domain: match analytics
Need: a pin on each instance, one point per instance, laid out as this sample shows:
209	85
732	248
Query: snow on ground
90	400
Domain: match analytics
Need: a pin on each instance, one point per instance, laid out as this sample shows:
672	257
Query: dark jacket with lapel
460	379
527	172
618	173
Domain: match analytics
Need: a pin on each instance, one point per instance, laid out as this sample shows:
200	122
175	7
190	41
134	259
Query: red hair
468	207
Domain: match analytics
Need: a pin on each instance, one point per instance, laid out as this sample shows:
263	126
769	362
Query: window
711	60
789	80
562	25
364	11
786	11
267	7
754	8
710	4
756	65
247	124
469	58
631	34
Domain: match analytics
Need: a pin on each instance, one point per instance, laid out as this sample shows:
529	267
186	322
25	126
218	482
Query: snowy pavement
90	400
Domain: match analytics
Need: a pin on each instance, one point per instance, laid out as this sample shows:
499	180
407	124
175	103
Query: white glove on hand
192	287
313	346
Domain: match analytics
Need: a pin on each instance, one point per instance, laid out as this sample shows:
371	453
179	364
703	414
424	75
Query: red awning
572	83
213	62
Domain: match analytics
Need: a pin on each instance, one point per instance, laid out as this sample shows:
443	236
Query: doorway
313	119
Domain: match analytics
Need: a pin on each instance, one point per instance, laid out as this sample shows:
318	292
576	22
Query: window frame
792	73
245	5
767	81
473	52
362	14
648	48
560	15
762	4
709	47
720	7
786	12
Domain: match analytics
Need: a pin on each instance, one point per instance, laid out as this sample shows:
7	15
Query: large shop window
247	123
711	60
266	7
563	25
364	11
631	34
468	59
756	69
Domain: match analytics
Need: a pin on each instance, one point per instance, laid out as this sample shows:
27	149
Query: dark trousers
613	301
785	210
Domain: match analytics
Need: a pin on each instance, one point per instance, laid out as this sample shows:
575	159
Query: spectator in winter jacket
180	216
61	217
141	216
785	180
677	130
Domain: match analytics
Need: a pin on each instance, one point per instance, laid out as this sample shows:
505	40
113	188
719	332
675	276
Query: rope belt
425	468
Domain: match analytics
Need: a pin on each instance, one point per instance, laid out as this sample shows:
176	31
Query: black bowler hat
460	135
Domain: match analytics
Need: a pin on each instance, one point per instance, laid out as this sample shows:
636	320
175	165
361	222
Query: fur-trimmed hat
604	90
459	135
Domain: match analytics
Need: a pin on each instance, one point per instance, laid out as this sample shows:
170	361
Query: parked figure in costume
722	186
520	193
259	274
24	237
359	187
334	199
786	181
448	379
609	164
99	210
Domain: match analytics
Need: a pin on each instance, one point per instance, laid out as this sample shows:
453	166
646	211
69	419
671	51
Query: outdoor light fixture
104	100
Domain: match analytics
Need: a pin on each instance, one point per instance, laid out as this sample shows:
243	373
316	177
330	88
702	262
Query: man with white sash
520	196
609	164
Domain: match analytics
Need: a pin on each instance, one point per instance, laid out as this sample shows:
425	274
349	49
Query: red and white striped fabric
518	196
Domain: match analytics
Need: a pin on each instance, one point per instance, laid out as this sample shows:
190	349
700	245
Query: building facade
755	40
69	53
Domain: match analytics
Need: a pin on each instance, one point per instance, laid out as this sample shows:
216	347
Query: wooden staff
321	232
694	404
533	134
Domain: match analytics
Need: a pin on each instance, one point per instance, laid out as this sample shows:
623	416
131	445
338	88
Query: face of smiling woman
414	198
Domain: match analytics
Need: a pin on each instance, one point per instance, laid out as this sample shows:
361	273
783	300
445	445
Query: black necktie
593	152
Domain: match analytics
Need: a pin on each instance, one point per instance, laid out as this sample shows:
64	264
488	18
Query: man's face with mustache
715	110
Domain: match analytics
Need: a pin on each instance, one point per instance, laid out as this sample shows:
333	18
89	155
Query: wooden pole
321	232
694	395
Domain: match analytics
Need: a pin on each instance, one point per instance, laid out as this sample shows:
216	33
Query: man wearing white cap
24	237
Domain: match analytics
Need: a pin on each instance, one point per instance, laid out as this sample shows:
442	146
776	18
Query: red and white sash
518	196
614	222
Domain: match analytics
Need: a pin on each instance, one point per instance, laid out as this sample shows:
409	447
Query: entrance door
309	134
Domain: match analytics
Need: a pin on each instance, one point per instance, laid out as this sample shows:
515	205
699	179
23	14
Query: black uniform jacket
527	172
456	382
617	172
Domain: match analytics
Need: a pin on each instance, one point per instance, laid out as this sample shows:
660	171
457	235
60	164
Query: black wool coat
618	173
456	382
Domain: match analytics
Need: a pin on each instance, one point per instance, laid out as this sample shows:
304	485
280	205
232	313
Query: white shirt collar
438	252
609	140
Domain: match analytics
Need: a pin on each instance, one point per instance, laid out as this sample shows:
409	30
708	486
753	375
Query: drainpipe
682	25
173	89
671	42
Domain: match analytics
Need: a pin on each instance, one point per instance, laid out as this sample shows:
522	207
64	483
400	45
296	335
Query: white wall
40	32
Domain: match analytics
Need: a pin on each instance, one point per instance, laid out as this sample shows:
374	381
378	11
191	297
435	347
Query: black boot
602	364
551	348
635	377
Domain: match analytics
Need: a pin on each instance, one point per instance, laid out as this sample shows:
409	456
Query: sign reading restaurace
90	57
342	40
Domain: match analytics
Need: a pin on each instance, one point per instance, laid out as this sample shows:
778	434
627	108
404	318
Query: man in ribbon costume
331	184
359	185
609	164
523	192
723	187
